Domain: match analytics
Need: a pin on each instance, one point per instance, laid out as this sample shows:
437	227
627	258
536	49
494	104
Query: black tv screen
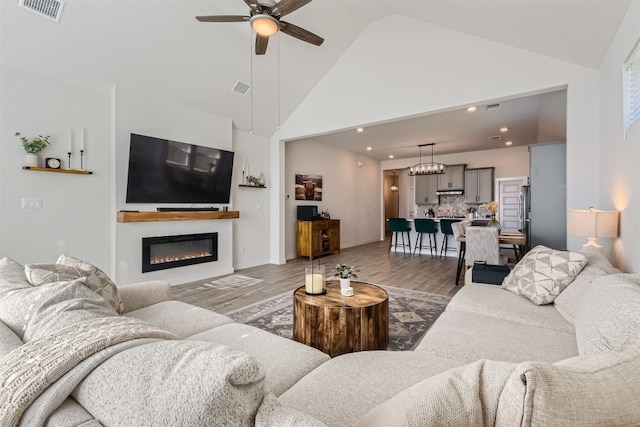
164	171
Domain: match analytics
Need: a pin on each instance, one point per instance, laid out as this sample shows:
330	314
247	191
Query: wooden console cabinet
319	237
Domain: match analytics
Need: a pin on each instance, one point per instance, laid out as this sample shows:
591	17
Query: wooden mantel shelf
176	216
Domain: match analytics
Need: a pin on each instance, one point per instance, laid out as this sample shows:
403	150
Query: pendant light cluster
426	168
394	187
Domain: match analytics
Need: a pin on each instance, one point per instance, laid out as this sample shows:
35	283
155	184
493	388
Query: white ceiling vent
52	9
493	107
495	137
241	87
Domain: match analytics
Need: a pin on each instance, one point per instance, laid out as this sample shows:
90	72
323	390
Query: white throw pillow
596	390
543	273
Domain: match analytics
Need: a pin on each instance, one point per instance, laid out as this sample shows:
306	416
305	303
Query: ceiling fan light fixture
265	25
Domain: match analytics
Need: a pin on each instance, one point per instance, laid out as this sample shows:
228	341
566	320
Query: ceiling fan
264	17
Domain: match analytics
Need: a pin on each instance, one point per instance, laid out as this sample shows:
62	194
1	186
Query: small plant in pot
345	273
32	147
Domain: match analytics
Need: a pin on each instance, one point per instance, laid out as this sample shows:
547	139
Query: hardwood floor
420	272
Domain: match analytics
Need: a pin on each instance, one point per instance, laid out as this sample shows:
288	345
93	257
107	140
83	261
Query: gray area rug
411	314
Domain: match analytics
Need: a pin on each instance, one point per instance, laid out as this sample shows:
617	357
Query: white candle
70	136
313	283
81	139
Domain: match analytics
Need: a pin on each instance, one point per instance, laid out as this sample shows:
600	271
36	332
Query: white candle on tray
313	283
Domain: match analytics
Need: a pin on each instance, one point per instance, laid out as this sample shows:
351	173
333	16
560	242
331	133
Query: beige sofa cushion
12	276
285	360
341	391
597	265
464	396
608	317
495	301
174	383
178	317
595	390
543	273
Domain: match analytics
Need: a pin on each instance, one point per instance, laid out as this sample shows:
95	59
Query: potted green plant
345	273
32	147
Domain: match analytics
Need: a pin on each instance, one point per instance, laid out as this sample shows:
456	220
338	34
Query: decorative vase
493	222
345	283
30	159
261	179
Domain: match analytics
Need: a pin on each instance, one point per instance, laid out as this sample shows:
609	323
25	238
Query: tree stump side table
335	324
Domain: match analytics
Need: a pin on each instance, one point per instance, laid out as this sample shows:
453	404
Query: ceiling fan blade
223	18
261	44
284	7
254	5
300	33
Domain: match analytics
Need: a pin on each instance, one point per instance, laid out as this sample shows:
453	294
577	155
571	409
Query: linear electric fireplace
160	253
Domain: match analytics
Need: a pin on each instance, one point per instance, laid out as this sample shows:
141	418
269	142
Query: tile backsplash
452	205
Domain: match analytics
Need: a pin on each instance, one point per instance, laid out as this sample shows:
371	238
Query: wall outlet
31	203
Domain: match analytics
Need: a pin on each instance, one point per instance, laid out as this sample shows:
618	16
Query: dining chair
402	226
483	244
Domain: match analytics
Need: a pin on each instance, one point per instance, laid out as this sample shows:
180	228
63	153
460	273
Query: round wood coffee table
336	324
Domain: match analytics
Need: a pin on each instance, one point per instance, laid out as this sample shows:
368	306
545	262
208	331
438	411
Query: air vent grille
52	9
495	137
493	107
241	87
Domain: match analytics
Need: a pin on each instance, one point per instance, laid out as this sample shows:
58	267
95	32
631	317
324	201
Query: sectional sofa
556	344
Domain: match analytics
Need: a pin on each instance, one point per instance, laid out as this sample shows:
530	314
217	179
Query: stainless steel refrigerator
544	200
524	203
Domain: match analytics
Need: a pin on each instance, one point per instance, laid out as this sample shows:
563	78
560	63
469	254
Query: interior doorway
391	191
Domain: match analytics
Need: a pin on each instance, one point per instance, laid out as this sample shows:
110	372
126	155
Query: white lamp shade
592	223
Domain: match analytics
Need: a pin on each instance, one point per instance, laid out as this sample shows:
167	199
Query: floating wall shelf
74	171
252	186
176	216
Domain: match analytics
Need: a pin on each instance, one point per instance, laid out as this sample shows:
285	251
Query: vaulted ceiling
159	48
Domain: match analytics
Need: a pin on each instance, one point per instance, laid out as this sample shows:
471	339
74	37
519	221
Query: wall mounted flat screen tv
164	171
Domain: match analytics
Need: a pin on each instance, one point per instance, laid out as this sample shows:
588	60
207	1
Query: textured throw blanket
30	369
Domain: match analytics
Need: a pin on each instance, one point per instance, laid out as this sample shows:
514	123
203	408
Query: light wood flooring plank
420	272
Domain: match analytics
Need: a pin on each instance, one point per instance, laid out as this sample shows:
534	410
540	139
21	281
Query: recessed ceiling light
471	109
369	148
504	129
508	143
360	130
391	156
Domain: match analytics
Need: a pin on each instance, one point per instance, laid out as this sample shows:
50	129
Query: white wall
251	231
438	69
350	193
619	187
146	115
75	217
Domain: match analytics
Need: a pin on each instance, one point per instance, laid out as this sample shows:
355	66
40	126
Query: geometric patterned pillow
95	279
543	273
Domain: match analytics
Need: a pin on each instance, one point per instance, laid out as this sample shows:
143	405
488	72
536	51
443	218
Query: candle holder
69	154
314	279
81	155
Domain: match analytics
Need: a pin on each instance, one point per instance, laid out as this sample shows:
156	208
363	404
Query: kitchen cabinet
318	237
452	179
426	189
478	185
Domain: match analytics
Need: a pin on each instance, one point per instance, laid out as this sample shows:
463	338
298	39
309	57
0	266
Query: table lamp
592	224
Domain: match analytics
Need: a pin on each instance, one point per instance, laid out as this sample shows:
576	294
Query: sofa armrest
144	294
